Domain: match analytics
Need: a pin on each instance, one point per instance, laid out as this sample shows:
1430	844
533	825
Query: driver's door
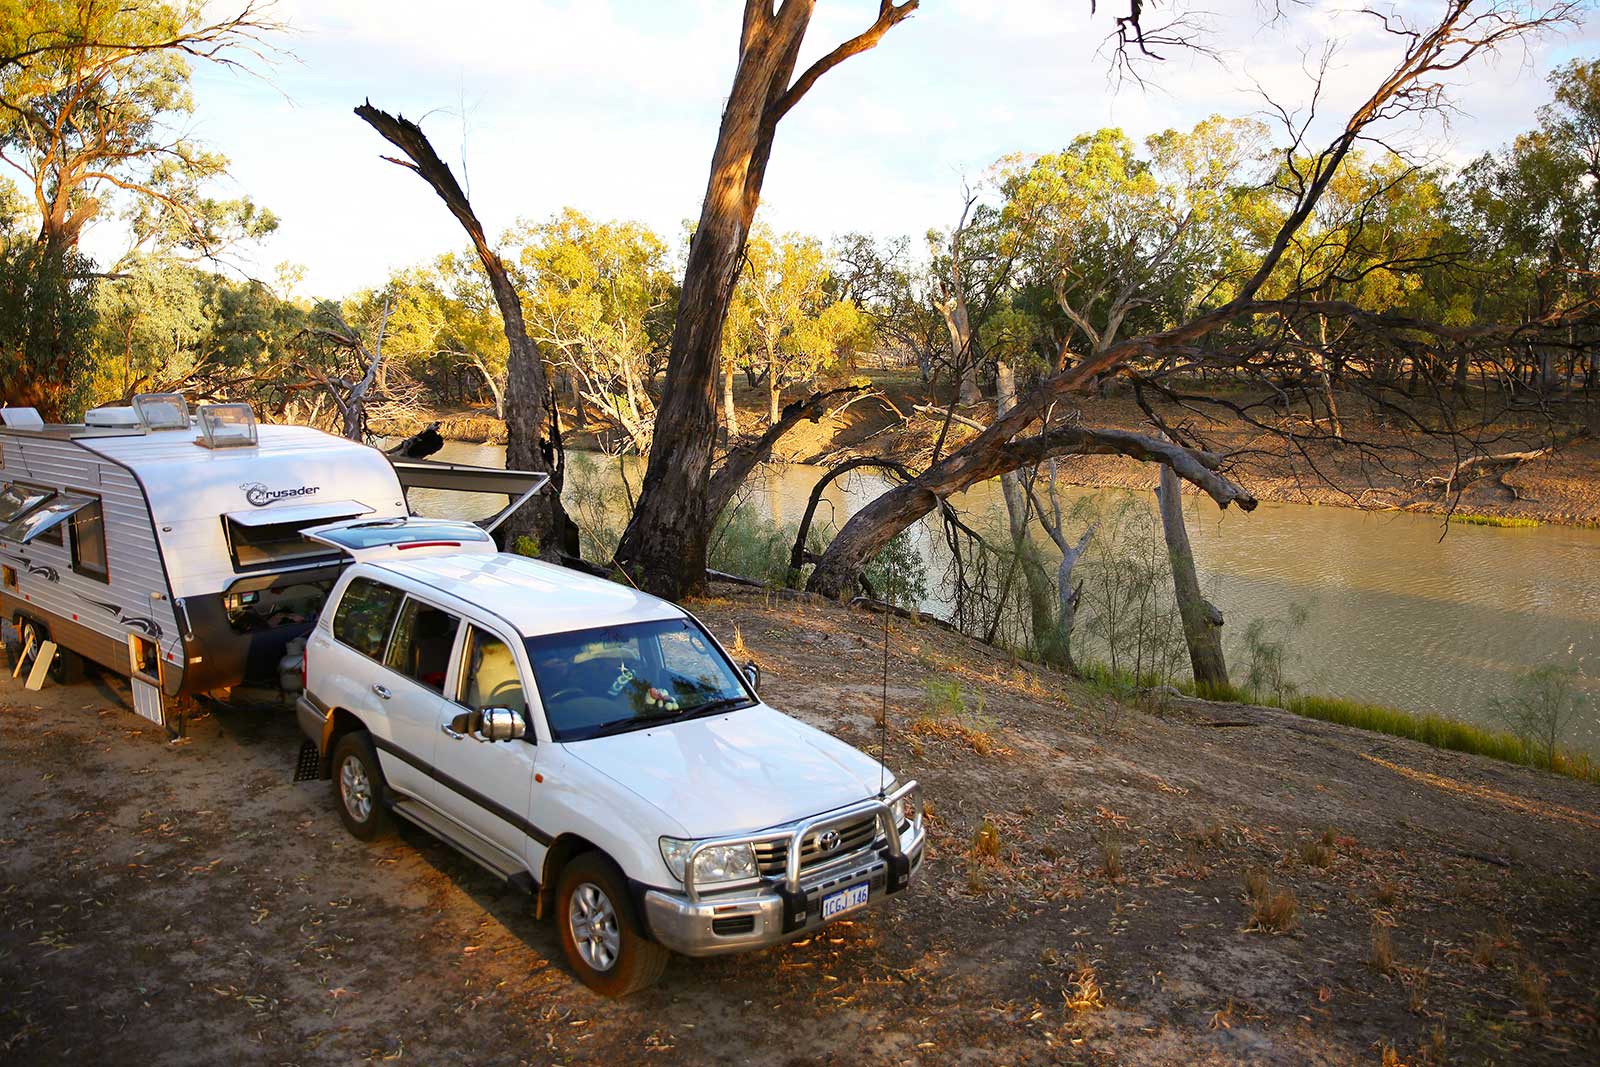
487	786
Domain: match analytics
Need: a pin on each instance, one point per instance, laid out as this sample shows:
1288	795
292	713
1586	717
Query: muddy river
1396	608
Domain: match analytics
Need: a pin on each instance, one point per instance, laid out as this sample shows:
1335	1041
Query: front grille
771	856
736	924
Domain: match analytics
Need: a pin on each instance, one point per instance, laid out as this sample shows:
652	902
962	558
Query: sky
611	107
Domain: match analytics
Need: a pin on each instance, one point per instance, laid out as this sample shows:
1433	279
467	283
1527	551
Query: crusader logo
260	496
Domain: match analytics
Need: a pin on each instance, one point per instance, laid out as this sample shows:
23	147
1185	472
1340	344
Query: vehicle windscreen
617	678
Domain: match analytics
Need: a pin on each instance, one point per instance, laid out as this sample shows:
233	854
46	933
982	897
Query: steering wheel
563	694
508	686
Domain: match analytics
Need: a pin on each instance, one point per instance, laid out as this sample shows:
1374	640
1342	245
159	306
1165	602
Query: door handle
382	691
444	726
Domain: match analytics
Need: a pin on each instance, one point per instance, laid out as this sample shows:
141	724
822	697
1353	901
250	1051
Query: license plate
844	900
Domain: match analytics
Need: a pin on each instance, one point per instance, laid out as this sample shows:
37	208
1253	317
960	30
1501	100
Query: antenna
883	715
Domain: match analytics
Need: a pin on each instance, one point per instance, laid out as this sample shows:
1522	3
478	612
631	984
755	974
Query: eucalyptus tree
1459	33
95	92
666	541
597	297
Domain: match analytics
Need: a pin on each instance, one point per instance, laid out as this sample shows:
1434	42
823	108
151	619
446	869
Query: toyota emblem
829	840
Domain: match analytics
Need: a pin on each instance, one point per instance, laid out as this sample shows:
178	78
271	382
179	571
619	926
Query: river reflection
1395	614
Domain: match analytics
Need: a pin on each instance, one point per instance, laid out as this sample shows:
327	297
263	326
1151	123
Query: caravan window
45	519
89	542
279	542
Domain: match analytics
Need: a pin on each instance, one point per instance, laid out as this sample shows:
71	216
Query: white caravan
167	547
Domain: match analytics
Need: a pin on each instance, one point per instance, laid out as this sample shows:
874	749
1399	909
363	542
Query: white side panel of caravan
192	489
45	575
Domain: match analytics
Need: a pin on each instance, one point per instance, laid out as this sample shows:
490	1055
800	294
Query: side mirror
501	724
752	674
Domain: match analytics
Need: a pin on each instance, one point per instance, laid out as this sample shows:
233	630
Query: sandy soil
188	904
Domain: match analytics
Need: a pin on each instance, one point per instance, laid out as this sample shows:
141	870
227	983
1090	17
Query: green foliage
946	698
46	314
1505	521
752	546
1540	709
898	574
1127	603
525	545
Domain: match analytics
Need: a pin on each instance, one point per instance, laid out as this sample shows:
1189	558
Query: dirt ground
187	904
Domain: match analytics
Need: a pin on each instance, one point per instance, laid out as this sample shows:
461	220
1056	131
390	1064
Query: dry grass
1416	982
1257	884
1272	911
1381	954
1533	989
1316	854
1386	893
1388	1057
738	647
1434	1046
980	741
1485	949
1111	857
1210	837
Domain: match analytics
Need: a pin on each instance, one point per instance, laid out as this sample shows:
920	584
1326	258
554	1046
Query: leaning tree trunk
1202	622
526	416
666	541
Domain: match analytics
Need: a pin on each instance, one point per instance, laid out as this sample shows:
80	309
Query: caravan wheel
65	669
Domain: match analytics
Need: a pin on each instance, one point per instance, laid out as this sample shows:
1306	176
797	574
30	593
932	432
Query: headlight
907	810
720	863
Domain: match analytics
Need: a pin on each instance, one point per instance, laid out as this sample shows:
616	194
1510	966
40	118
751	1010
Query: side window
89	542
489	676
365	614
422	642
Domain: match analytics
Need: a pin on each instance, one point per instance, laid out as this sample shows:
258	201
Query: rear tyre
359	791
600	934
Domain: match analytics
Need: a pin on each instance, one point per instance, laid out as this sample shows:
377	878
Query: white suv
593	744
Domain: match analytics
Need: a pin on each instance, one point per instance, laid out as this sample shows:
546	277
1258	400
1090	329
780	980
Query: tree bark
528	447
665	543
1202	622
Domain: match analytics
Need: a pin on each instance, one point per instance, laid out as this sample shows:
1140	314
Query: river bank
1382	469
1106	884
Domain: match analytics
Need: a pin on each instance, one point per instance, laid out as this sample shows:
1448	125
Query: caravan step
308	764
464	841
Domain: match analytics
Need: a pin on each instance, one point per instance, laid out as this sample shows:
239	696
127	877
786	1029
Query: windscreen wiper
712	707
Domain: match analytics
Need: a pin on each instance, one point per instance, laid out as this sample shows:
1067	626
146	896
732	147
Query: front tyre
599	931
358	787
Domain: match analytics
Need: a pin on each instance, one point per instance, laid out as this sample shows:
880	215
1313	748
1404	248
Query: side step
462	840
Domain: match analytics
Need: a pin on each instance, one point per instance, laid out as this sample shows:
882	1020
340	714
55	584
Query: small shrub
1388	1057
1276	913
1257	885
1386	893
1381	954
1485	949
1533	989
1417	991
1539	710
1434	1045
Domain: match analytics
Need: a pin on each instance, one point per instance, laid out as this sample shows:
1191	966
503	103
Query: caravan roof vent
119	418
227	425
21	418
162	411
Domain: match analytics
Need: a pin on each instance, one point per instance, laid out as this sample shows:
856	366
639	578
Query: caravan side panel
89	616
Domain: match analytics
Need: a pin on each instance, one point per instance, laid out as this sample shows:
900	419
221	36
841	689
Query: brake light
305	655
429	544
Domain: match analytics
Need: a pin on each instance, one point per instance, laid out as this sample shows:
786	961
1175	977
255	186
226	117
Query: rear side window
423	640
365	615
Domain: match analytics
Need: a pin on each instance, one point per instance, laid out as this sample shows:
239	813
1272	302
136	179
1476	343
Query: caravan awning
301	514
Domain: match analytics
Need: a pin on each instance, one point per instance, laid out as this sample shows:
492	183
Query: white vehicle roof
537	598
